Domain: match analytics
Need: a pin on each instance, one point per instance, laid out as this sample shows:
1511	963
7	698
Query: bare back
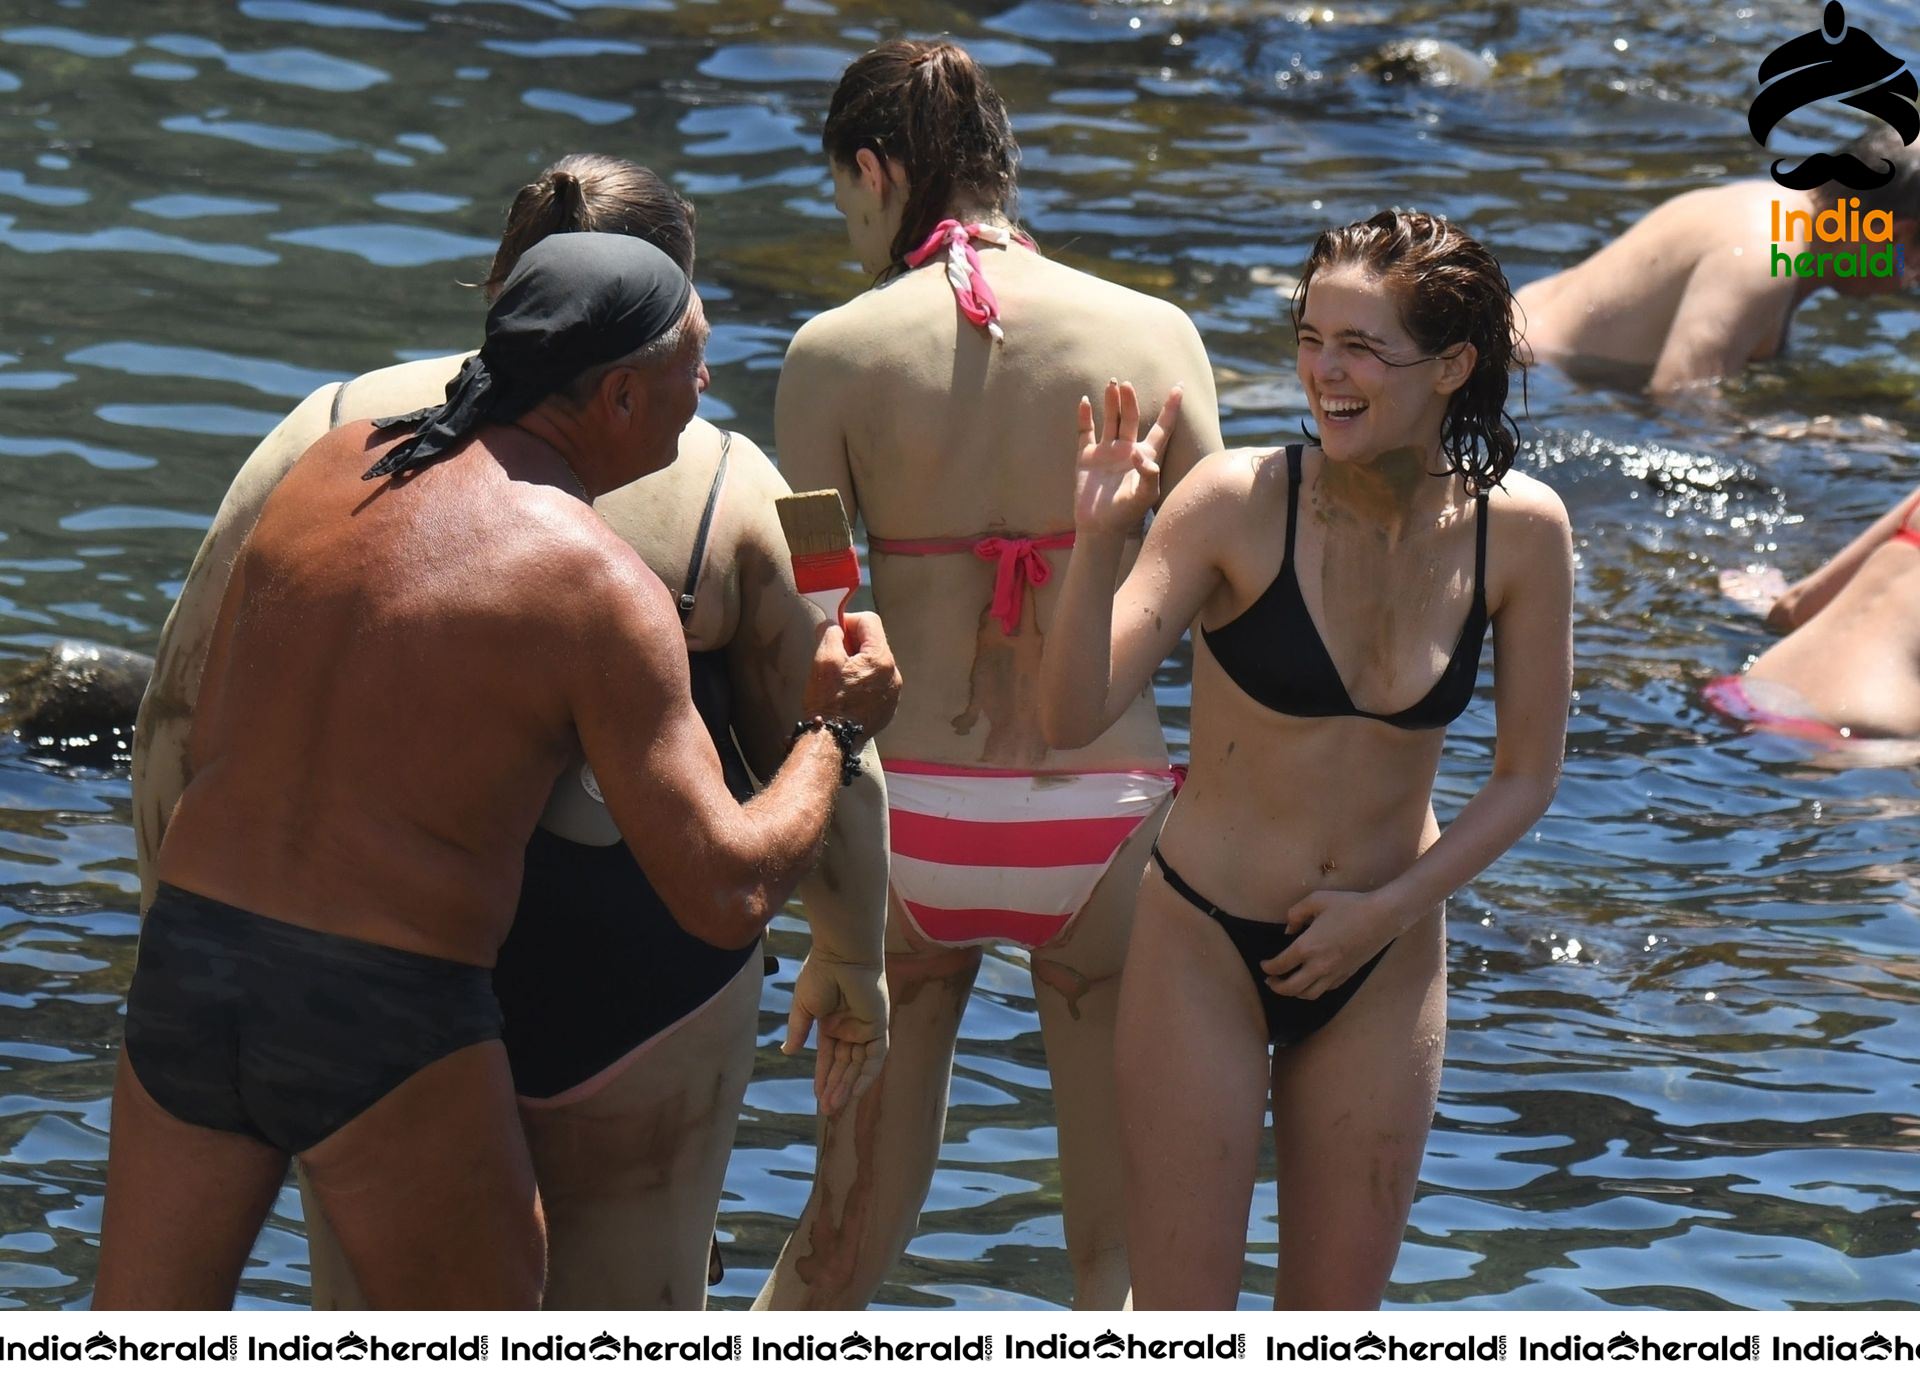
1698	263
657	515
368	723
931	430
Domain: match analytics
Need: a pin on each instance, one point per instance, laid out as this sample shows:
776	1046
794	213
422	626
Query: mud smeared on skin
933	965
1388	637
1069	982
838	1240
829	873
758	655
644	1148
1004	686
840	1227
619	1155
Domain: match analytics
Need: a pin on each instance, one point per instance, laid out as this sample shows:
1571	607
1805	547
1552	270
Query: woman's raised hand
1118	479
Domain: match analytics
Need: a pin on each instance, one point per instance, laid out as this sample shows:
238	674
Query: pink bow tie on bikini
964	273
1020	562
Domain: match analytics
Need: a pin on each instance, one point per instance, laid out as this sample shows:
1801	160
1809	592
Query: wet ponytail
587	191
930	108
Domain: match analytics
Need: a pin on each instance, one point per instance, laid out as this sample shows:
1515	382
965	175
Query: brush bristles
814	522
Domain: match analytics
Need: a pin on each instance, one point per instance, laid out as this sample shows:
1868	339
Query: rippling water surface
1685	1012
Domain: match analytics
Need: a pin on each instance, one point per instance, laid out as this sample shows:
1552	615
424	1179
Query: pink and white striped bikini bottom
987	853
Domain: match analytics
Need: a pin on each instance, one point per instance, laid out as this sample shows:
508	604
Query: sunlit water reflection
1683	1050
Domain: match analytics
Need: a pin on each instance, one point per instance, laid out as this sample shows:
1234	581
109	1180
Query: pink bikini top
964	273
1019	558
1019	562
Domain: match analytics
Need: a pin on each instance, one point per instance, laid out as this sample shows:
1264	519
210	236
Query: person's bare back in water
1692	292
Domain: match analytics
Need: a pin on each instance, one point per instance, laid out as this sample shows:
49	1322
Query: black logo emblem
352	1347
1622	1345
1837	60
1369	1347
99	1345
855	1345
1108	1345
603	1348
1875	1347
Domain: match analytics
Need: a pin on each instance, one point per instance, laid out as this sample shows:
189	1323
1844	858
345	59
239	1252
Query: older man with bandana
400	670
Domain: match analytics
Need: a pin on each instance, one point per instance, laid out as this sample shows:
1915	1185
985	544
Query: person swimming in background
622	1030
1707	283
1849	665
1339	595
932	403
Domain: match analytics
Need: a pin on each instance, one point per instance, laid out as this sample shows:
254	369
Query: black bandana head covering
573	301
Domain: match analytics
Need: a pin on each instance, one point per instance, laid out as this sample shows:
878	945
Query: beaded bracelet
847	736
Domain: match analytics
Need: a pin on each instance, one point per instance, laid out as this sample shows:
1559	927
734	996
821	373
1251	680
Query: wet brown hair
1450	290
930	108
590	191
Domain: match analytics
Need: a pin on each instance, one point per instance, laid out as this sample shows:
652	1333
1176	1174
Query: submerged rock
77	702
1427	62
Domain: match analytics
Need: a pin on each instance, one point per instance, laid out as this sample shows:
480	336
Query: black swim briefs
242	1023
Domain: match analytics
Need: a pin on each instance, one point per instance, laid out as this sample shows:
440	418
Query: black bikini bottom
1290	1020
241	1023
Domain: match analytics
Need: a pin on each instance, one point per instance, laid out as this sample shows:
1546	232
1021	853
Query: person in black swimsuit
1339	595
570	1026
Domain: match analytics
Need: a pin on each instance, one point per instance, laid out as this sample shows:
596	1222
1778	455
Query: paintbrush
825	566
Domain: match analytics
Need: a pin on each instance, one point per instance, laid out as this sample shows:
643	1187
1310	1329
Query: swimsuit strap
1293	502
1192	897
1017	559
964	273
697	561
920	546
1480	554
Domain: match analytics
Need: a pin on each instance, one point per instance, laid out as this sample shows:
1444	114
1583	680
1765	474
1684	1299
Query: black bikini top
1276	655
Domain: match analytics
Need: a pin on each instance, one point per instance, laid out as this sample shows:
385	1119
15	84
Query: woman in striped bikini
1849	666
933	403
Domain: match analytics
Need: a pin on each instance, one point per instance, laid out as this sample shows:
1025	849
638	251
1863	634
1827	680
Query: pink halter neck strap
1017	563
964	273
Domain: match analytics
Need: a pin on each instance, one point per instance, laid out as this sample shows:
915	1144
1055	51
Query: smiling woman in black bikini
1340	594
